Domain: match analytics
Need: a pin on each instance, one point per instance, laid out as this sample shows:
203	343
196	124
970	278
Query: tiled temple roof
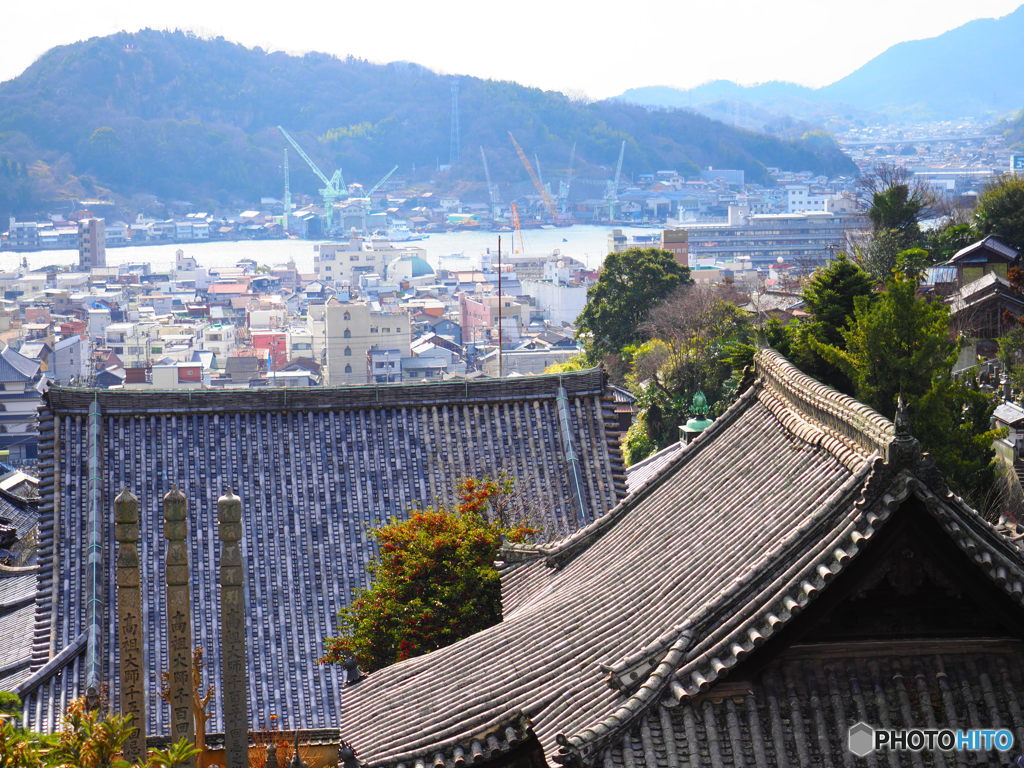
647	607
315	469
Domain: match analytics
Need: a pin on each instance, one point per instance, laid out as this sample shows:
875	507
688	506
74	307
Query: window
347	334
348	368
373	329
386	330
348	352
347	316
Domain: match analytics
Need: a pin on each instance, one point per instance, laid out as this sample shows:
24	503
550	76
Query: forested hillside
181	117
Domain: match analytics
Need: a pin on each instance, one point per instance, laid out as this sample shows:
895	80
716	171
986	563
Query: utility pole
501	367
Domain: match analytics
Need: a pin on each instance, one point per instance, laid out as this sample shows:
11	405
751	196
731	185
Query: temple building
315	470
797	568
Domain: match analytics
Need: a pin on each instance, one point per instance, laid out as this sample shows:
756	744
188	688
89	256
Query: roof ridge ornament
902	420
905	449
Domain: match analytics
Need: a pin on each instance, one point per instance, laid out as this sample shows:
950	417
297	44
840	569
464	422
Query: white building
355	329
345	263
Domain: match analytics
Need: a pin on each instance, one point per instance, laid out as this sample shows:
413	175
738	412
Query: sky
588	49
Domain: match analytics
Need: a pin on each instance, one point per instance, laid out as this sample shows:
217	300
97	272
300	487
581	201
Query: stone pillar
129	622
233	664
179	617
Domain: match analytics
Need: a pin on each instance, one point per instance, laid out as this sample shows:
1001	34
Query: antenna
287	195
456	140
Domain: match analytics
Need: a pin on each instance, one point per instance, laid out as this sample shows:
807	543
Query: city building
22	383
355	328
92	244
677	242
806	239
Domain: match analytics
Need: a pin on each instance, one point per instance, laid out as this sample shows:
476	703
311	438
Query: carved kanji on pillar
129	622
233	665
179	617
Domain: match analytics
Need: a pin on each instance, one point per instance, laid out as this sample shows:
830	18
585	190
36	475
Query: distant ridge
185	118
975	70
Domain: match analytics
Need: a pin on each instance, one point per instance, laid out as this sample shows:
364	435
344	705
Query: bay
588	244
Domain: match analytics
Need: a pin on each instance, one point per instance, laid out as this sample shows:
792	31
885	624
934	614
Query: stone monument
233	664
179	617
129	622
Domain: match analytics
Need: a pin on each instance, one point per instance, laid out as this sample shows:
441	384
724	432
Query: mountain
180	117
761	107
970	71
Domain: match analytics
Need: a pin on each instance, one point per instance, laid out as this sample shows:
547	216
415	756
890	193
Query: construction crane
612	194
334	188
565	186
533	177
378	185
492	191
518	231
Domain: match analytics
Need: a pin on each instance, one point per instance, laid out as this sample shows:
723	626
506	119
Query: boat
400	233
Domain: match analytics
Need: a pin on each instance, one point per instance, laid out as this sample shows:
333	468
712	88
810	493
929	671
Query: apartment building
354	329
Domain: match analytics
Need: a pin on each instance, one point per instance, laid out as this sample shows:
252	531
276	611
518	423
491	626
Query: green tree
897	208
696	335
10	703
1000	210
631	283
900	344
880	254
434	580
88	739
1011	355
830	298
945	241
831	294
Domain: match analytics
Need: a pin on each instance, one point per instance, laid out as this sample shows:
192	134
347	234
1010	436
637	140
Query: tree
88	739
10	703
893	198
434	580
1000	210
694	334
947	240
831	294
830	298
895	203
900	344
631	283
878	256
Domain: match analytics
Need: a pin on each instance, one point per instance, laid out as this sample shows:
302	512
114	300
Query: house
21	386
988	255
749	604
986	307
316	468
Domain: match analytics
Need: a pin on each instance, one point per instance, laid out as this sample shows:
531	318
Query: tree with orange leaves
434	580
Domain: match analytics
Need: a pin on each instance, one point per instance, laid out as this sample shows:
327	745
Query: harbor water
588	244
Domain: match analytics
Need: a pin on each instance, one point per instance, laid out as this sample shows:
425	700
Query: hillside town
713	467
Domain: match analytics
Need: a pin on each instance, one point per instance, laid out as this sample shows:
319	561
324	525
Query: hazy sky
597	48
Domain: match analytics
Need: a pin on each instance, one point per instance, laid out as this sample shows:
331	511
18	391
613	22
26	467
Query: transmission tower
287	195
456	140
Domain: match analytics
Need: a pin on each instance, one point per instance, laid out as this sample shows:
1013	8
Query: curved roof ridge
560	551
850	424
652	673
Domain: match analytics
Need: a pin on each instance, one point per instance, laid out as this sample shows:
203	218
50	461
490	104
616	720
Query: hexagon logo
861	739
